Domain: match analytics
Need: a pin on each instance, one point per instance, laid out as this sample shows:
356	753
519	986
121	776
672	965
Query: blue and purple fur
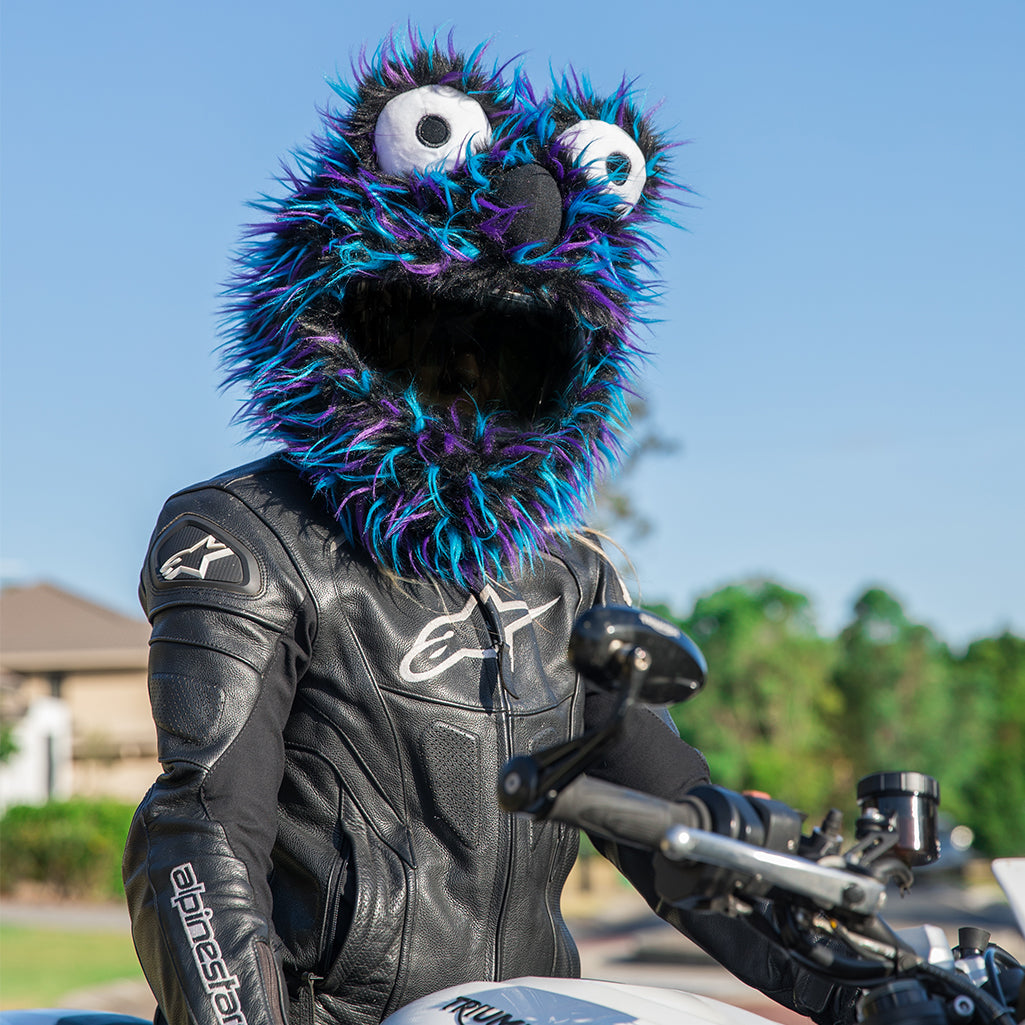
350	259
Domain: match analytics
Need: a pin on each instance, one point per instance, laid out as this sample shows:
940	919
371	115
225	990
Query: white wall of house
40	769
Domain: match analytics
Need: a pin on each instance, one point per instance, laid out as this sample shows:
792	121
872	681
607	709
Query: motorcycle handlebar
624	816
683	831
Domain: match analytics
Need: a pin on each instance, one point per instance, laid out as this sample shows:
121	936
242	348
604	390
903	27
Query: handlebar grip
625	816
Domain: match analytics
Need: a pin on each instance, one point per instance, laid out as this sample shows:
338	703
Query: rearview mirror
604	637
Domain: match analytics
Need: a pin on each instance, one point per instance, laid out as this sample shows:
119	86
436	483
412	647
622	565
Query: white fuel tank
536	1001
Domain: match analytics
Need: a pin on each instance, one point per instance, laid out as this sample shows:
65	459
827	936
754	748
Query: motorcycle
723	852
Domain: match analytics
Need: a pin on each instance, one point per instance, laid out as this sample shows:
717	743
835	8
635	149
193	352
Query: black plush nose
532	193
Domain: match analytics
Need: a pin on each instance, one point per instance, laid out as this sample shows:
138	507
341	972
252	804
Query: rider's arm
650	756
232	630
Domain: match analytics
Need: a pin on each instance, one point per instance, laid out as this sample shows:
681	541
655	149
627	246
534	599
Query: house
73	691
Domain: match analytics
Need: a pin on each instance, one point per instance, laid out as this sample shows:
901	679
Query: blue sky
840	353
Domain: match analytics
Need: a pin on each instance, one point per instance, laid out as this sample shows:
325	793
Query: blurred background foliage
69	848
786	710
804	716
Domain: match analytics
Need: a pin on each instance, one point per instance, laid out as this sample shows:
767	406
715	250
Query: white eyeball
429	128
610	158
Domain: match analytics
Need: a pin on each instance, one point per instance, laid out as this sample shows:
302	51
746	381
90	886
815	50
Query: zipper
308	998
329	925
504	692
495	635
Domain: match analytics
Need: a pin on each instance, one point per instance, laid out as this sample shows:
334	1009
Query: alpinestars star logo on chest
441	644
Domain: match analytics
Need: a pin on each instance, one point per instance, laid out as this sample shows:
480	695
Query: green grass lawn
39	966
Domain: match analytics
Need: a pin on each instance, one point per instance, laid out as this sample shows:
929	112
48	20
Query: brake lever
831	889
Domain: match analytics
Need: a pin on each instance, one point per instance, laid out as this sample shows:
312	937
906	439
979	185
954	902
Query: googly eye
610	158
429	128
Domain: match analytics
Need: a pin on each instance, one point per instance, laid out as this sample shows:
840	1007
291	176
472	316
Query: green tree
805	717
990	676
761	720
898	698
8	742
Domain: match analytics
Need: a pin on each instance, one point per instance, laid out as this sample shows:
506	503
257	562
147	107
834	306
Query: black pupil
433	130
617	167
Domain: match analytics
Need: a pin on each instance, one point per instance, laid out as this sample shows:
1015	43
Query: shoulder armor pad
193	549
213	547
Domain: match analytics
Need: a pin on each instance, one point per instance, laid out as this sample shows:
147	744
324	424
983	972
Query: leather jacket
324	843
331	740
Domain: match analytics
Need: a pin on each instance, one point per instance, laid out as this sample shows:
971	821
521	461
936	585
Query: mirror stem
530	783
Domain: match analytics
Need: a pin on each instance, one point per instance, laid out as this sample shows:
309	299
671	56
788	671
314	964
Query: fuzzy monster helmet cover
437	319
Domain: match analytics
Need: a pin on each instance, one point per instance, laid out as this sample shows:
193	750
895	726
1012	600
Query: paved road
620	941
69	916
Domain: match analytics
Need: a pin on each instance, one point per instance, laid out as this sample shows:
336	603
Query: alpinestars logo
194	550
437	647
211	549
196	917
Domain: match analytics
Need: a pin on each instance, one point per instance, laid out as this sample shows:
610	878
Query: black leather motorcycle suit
324	843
